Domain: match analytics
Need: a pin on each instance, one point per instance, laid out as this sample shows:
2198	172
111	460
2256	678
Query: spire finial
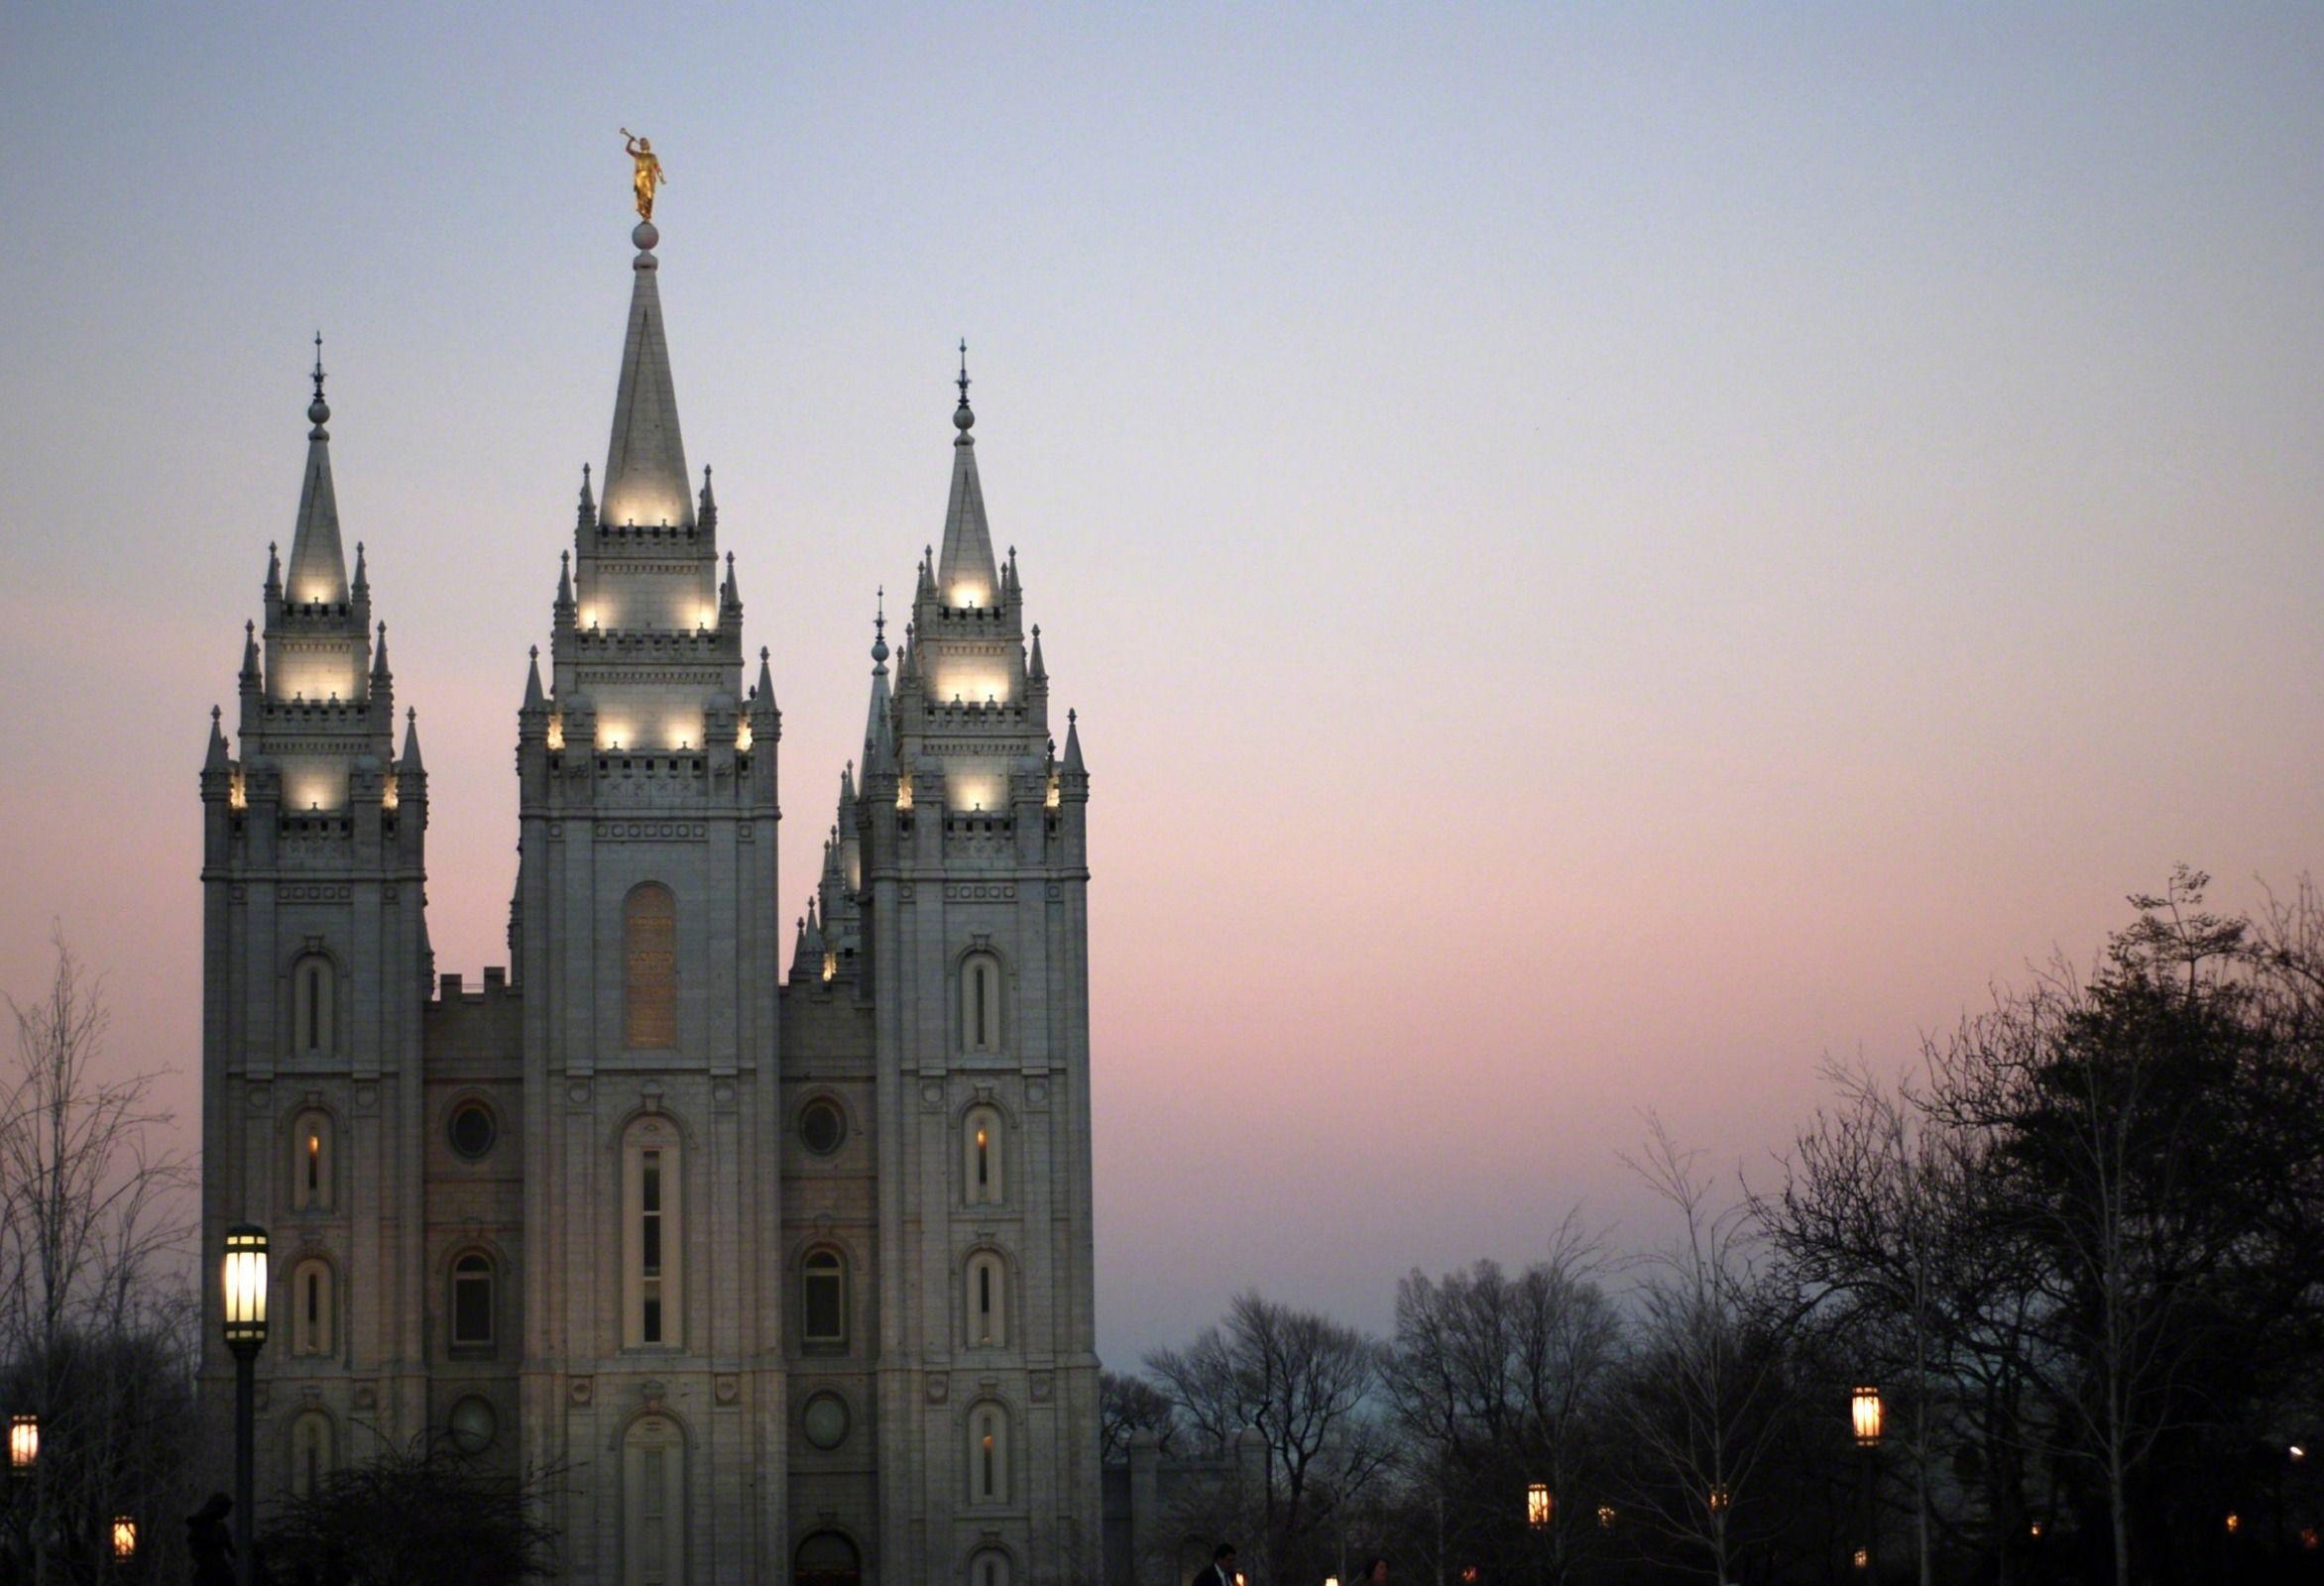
318	411
962	419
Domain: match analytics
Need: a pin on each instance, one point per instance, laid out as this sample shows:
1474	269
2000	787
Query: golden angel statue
650	173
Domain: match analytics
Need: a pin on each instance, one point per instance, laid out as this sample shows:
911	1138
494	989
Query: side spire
318	565
645	478
966	576
379	657
879	718
411	760
1072	743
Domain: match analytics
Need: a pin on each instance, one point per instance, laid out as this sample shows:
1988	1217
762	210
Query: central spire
646	479
966	576
318	567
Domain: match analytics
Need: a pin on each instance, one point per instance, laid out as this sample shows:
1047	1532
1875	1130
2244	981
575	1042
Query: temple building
771	1228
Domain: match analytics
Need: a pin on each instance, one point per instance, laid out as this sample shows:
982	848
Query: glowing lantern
24	1443
1539	1505
124	1539
243	1276
1864	1407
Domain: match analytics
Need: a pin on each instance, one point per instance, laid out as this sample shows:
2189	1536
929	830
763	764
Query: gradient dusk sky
1604	554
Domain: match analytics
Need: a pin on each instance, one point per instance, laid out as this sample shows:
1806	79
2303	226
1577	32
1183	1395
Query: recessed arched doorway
827	1558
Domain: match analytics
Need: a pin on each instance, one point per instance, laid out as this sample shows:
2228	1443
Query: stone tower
315	970
790	1275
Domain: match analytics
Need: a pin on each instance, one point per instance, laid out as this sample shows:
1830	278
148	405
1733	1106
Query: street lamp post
24	1457
243	1278
1864	1411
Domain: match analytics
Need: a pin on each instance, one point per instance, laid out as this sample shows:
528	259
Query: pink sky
1601	558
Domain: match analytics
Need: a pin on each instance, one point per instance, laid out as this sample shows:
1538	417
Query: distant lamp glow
2235	1522
1605	1517
1864	1408
2298	1453
243	1276
124	1539
24	1443
2035	1531
2308	1538
1539	1505
1862	1559
1721	1498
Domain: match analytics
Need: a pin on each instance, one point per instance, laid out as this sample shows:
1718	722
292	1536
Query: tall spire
966	575
646	479
878	727
318	567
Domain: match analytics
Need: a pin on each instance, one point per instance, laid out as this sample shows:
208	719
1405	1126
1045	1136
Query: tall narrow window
989	1568
472	1287
823	1300
988	1300
988	1455
980	1002
312	1294
310	1451
649	1243
311	1182
312	981
652	1238
649	948
981	1157
653	1508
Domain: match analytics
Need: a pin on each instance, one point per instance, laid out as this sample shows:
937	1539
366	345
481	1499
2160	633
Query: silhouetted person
1221	1570
209	1543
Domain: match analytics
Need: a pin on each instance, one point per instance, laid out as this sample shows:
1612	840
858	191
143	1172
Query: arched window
989	1454
472	1297
652	1237
981	1157
823	1299
312	1297
649	956
311	1184
988	1300
313	979
989	1568
827	1558
310	1451
980	1002
653	1503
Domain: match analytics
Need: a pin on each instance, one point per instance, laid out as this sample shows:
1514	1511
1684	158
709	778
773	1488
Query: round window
825	1421
821	1128
472	1425
473	1130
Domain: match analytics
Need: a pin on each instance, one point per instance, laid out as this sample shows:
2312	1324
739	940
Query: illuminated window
980	1165
310	1451
988	1300
988	1455
314	981
980	1002
653	1290
311	1184
823	1299
650	946
312	1292
472	1297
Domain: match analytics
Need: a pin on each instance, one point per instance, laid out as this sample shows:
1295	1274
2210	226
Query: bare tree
93	1219
1303	1381
1495	1380
1708	1397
